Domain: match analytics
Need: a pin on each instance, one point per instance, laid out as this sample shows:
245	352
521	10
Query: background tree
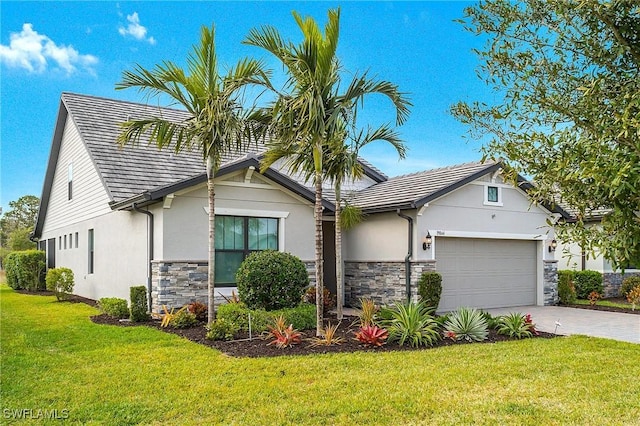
569	76
312	112
218	122
16	225
21	215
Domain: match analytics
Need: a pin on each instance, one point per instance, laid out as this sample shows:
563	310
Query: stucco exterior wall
463	211
121	233
185	222
380	237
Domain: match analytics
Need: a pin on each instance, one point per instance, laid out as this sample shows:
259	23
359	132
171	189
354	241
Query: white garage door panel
486	273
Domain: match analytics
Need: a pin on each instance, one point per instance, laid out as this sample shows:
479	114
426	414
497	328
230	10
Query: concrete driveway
610	325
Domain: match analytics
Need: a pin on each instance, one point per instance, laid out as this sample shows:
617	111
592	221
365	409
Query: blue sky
83	47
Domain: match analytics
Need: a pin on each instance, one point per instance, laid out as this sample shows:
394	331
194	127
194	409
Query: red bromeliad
532	326
372	335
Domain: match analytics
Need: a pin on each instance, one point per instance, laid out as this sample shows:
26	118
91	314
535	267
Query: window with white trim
492	195
238	236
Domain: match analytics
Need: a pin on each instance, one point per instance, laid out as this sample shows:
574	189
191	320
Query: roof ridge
438	169
140	104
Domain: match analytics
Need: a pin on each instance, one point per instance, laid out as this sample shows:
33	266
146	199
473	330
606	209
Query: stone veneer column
383	282
550	282
176	283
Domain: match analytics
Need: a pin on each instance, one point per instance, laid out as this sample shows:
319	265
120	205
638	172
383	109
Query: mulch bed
258	347
72	299
598	307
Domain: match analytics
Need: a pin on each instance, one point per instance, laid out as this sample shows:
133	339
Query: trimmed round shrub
271	280
60	281
587	282
566	288
629	284
430	289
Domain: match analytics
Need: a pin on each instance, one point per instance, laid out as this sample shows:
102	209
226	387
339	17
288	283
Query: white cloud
135	30
33	52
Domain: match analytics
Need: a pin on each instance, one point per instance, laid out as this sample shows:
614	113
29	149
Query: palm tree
342	164
218	123
312	112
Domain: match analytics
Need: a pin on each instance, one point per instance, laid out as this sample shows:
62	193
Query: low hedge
25	270
303	316
586	282
114	307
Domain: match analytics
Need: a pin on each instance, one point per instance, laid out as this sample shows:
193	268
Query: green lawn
54	357
605	302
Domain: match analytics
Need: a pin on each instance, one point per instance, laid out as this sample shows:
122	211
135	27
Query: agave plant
514	325
372	335
467	324
412	324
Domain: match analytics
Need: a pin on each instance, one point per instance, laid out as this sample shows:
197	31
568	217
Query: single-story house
571	256
128	216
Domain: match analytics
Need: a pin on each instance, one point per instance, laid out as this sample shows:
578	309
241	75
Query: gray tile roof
413	190
131	170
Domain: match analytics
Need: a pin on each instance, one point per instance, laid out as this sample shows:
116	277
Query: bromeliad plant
516	325
412	324
372	335
466	324
594	296
283	336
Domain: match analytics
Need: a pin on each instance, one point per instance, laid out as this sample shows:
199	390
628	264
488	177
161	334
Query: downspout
149	251
407	258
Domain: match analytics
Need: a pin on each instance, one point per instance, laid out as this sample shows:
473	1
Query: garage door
486	273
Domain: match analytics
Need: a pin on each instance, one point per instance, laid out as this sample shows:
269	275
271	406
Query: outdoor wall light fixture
552	246
426	244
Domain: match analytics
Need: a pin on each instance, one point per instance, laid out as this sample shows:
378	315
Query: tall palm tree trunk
211	316
317	214
338	250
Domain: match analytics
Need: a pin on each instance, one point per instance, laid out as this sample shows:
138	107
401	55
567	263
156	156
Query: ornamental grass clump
367	313
329	336
466	324
412	324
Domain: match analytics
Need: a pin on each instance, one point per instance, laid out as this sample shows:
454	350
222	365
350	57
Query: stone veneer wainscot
176	283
